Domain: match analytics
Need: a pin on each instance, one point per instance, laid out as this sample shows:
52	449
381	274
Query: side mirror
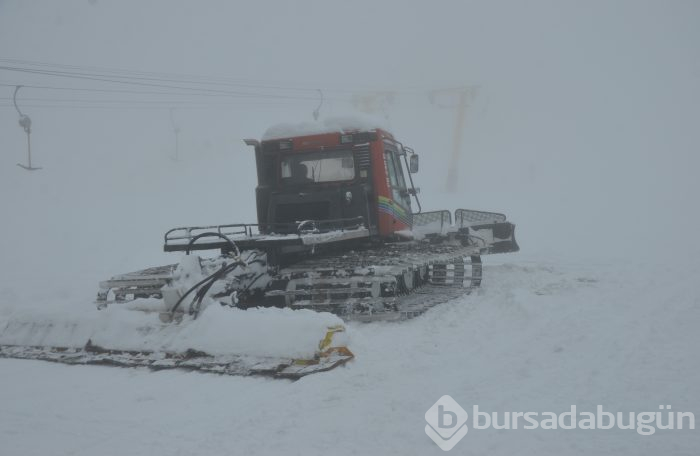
413	164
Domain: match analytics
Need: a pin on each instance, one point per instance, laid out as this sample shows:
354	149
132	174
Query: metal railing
466	217
183	235
432	219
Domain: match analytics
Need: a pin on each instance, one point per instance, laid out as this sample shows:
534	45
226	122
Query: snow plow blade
52	341
191	360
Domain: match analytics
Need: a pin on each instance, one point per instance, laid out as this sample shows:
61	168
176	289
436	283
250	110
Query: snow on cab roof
329	125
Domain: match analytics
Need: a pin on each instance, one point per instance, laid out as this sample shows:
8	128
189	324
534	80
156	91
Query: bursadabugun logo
447	421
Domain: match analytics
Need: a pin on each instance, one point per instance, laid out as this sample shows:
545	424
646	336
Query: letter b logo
441	418
446	423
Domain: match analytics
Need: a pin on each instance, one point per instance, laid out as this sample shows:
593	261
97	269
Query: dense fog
577	119
581	119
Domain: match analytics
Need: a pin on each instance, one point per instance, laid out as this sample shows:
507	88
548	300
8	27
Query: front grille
296	212
362	158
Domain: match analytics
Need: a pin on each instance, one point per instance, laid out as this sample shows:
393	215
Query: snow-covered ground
541	335
583	130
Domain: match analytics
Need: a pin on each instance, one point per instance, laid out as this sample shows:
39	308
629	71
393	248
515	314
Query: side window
396	180
399	173
390	168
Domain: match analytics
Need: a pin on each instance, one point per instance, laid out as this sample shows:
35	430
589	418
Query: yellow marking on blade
325	350
328	339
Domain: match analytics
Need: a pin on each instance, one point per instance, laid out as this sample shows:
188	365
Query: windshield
318	167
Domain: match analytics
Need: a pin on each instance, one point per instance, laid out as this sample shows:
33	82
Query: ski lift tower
26	123
458	98
374	102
